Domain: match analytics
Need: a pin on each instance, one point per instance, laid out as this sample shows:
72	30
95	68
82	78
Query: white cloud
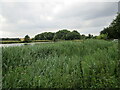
23	22
2	19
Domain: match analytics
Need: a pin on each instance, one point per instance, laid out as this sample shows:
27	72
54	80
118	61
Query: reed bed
66	64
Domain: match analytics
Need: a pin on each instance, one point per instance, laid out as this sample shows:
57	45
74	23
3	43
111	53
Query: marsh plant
66	64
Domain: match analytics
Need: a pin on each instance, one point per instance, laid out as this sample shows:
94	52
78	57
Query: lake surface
21	44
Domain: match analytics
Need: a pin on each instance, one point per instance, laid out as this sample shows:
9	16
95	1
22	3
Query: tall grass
70	64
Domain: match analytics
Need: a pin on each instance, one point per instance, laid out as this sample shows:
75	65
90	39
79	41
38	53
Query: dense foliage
60	35
72	35
85	64
113	31
27	38
9	39
44	36
102	36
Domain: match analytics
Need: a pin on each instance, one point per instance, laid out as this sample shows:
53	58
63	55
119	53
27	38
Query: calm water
20	44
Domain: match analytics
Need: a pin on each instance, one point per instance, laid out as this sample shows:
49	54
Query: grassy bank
9	42
86	64
13	41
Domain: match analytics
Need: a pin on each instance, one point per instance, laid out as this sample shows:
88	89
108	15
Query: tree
27	39
44	36
113	30
83	36
89	36
77	34
73	35
61	34
102	36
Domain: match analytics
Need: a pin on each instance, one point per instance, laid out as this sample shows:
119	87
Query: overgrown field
66	64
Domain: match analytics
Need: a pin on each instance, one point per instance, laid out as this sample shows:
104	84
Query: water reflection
7	45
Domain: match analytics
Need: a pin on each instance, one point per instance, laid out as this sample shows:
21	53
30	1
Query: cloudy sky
18	18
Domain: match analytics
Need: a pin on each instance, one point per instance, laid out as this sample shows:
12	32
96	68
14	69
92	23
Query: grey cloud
31	18
89	10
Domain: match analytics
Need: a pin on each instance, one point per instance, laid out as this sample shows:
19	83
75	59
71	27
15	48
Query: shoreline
16	42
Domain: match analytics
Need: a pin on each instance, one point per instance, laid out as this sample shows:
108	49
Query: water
8	45
20	44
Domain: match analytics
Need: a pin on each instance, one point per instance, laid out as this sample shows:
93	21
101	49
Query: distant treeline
6	39
62	35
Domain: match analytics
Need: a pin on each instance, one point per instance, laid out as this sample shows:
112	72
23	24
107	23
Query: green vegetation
10	39
82	62
9	42
44	36
73	35
113	30
41	40
102	36
32	41
66	64
60	35
27	39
